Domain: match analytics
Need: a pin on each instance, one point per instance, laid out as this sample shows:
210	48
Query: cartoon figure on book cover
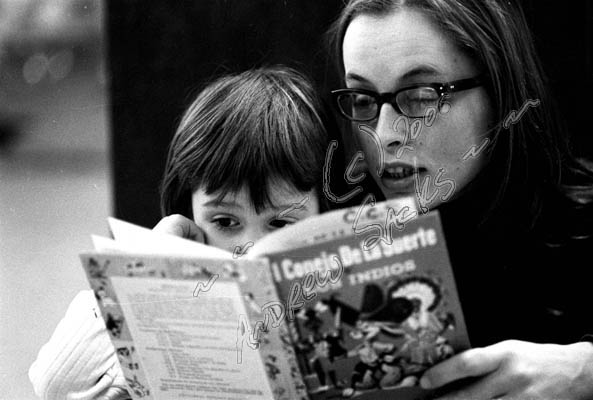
102	290
97	270
385	344
114	325
323	348
126	356
137	387
424	343
379	365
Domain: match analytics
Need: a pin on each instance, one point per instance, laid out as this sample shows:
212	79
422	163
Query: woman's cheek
371	152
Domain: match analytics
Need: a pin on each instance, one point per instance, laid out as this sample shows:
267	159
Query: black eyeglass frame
442	90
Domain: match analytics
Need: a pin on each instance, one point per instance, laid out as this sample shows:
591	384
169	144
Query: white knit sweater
79	361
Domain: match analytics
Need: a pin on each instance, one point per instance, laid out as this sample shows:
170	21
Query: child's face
234	221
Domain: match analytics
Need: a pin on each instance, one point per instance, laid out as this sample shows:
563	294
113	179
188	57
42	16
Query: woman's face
234	221
386	53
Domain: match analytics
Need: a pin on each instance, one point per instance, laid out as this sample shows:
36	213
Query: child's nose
256	234
251	236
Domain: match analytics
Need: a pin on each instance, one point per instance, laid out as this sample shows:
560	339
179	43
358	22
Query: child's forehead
281	191
281	194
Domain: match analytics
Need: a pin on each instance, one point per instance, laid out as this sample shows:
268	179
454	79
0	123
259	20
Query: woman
493	158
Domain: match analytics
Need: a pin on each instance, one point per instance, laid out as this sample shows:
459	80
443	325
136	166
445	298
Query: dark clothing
526	284
521	283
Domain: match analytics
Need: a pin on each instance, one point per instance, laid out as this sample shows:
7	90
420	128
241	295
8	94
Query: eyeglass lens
358	106
412	103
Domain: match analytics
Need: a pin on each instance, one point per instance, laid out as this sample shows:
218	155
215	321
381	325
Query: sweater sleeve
79	361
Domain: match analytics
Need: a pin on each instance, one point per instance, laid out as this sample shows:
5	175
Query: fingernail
425	383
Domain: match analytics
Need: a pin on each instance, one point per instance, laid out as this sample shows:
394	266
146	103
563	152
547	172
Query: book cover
367	320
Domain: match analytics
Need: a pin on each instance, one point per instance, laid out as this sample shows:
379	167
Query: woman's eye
362	101
422	99
225	222
422	95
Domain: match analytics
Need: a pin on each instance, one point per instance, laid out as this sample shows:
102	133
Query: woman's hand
178	225
518	370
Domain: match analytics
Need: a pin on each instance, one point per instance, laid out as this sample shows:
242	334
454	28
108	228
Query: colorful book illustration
350	304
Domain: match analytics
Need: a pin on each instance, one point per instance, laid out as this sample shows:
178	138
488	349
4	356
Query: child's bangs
257	165
253	131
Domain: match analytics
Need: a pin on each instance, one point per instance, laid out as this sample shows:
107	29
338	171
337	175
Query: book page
101	243
138	239
192	327
187	343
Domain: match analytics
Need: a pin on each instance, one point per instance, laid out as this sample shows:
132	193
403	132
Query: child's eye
225	222
280	223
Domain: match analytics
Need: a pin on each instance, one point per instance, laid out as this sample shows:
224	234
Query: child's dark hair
247	130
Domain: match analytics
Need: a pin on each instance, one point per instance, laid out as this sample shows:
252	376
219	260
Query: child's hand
178	225
518	370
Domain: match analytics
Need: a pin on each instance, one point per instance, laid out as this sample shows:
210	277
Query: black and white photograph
296	199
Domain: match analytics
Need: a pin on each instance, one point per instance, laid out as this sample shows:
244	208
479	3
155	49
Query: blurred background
55	185
90	93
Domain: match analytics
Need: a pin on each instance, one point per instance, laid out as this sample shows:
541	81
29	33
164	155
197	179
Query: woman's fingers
493	386
517	370
471	363
178	225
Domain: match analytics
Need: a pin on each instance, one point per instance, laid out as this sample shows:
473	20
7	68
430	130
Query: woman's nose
391	128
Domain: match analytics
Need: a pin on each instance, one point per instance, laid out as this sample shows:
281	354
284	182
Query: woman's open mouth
398	172
400	177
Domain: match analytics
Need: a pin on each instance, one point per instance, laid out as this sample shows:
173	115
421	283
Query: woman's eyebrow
355	77
421	71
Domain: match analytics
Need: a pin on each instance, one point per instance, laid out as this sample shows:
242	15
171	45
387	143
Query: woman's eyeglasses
412	101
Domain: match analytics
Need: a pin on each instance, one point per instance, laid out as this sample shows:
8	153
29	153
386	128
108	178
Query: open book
354	303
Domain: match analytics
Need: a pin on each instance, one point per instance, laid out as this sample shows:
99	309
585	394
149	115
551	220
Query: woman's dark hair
247	130
529	156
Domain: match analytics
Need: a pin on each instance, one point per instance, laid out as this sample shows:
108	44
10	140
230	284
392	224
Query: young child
246	159
248	148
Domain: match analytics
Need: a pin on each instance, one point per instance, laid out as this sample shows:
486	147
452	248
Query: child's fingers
178	225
